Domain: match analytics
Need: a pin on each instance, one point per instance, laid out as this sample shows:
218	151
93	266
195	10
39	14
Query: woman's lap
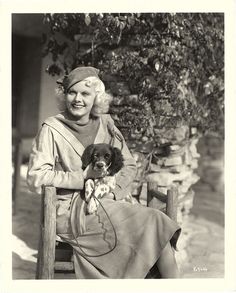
135	236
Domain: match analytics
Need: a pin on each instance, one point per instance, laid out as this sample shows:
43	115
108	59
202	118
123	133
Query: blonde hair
102	100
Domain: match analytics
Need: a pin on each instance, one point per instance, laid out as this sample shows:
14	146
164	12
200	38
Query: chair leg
46	253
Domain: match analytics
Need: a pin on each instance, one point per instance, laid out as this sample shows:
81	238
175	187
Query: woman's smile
77	106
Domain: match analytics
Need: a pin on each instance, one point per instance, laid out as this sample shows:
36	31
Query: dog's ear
87	156
117	161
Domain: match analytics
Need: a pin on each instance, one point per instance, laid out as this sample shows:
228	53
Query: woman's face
79	100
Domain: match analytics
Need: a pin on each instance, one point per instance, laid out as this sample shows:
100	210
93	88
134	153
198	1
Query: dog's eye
107	156
95	155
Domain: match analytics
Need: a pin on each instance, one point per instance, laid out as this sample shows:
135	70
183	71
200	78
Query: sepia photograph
118	131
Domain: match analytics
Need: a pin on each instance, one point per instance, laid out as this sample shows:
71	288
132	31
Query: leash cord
84	253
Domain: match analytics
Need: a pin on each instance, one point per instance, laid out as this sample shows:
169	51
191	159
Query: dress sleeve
127	174
41	169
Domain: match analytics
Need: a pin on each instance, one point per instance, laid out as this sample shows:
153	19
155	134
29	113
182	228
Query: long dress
120	240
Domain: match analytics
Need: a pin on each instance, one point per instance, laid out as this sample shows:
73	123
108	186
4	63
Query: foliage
169	68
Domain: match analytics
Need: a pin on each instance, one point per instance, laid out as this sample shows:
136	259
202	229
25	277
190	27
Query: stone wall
173	167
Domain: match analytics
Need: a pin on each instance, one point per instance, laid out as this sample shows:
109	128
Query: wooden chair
56	257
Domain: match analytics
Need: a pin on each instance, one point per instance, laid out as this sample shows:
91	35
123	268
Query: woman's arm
41	169
127	174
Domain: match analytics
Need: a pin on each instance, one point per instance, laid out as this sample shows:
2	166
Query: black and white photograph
118	157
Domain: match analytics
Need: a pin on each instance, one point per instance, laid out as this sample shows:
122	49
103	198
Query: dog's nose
100	165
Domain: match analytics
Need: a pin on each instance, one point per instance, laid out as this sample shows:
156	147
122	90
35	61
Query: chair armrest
153	191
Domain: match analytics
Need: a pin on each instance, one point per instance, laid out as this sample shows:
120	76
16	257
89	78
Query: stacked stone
177	170
173	166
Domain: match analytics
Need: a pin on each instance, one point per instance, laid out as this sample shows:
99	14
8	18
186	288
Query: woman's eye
85	93
72	93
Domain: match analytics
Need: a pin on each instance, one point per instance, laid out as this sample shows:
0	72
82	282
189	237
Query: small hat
76	75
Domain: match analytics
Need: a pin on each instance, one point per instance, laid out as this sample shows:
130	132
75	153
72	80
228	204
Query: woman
120	240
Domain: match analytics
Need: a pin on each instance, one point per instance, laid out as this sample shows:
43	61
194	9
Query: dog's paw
89	187
92	206
101	190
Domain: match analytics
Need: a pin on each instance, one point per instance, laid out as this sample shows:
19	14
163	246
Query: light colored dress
120	240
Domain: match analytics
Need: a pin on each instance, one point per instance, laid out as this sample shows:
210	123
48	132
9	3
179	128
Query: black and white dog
105	161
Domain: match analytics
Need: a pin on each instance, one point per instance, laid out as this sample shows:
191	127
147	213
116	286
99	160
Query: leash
84	254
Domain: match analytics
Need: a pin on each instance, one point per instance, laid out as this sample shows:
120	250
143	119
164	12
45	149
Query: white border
186	285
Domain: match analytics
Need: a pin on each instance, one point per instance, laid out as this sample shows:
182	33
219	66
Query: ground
205	245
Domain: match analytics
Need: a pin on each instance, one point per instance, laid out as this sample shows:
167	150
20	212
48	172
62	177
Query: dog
105	161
